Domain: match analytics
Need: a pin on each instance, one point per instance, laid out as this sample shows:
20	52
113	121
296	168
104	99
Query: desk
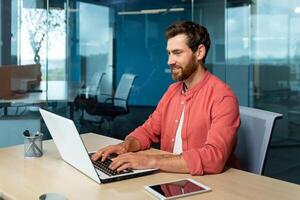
55	91
25	178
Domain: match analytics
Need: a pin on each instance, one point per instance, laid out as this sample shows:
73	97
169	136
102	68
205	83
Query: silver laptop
73	151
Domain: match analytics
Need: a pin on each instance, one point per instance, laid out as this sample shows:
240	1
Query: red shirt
209	131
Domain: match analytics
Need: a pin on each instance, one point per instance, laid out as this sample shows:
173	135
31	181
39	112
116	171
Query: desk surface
25	178
53	91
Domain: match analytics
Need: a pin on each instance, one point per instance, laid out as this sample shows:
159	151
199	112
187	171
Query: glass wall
123	38
39	36
33	47
96	43
262	54
238	51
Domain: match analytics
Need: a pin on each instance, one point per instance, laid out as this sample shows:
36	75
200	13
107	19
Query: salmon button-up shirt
209	130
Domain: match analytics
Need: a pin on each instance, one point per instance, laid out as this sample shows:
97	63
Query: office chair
253	138
87	94
112	106
93	86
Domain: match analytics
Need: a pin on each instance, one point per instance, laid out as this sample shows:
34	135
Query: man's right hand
130	144
111	149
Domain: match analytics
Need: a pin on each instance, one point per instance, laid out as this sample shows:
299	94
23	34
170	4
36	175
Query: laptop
73	151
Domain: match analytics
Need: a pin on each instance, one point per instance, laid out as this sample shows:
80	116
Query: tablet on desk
177	189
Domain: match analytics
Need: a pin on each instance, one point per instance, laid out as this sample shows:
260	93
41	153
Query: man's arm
140	139
164	162
131	144
127	159
220	141
171	163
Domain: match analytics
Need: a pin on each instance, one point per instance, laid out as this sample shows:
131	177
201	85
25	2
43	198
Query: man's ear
201	51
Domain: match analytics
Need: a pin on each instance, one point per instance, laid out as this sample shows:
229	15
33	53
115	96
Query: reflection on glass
177	188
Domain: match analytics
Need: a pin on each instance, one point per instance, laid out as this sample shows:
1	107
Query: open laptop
73	151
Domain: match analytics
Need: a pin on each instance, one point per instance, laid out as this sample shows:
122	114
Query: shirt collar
198	86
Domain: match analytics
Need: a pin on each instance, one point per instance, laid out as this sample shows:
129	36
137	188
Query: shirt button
172	139
176	121
182	102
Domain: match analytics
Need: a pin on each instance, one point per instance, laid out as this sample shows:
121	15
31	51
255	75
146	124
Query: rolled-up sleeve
220	142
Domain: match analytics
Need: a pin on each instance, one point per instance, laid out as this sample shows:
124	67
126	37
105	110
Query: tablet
177	189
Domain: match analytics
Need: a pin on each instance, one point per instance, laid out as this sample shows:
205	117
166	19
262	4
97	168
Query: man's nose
171	61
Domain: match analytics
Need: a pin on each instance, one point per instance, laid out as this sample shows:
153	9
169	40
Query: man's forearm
171	163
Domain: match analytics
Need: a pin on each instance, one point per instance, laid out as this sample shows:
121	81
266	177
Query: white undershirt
178	141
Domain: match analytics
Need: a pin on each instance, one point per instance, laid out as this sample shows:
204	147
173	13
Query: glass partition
42	37
262	57
34	37
60	39
96	45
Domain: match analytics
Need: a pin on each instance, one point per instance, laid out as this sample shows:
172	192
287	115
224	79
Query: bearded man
196	120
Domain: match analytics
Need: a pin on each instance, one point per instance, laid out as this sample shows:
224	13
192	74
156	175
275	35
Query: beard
180	73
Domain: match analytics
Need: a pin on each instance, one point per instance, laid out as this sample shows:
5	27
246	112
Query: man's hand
130	144
140	160
105	152
133	161
165	162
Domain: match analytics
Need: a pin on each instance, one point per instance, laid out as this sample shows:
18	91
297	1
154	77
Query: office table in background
58	91
53	92
28	178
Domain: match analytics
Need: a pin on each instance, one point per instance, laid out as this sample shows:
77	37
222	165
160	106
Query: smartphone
177	189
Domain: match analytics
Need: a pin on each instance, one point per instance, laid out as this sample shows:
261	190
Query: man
197	118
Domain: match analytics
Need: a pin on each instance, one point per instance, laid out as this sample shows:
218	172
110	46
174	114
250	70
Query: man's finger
106	153
124	167
117	162
96	155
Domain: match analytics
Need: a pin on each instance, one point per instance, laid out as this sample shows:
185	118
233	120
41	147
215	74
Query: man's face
182	60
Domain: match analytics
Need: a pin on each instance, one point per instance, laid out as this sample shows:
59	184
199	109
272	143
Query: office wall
12	128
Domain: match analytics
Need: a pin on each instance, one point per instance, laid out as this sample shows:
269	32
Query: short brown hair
196	34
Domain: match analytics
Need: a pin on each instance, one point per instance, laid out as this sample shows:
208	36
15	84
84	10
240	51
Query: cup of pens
33	144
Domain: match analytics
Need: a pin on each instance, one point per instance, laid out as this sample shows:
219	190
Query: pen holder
33	145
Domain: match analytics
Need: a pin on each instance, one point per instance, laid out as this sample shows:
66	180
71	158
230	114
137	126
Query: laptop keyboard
104	167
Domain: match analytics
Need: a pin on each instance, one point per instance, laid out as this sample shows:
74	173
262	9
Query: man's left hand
133	161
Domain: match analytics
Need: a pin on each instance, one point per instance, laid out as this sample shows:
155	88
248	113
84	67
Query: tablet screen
177	188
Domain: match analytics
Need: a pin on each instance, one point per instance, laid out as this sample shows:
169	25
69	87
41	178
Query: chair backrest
95	81
123	90
253	138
